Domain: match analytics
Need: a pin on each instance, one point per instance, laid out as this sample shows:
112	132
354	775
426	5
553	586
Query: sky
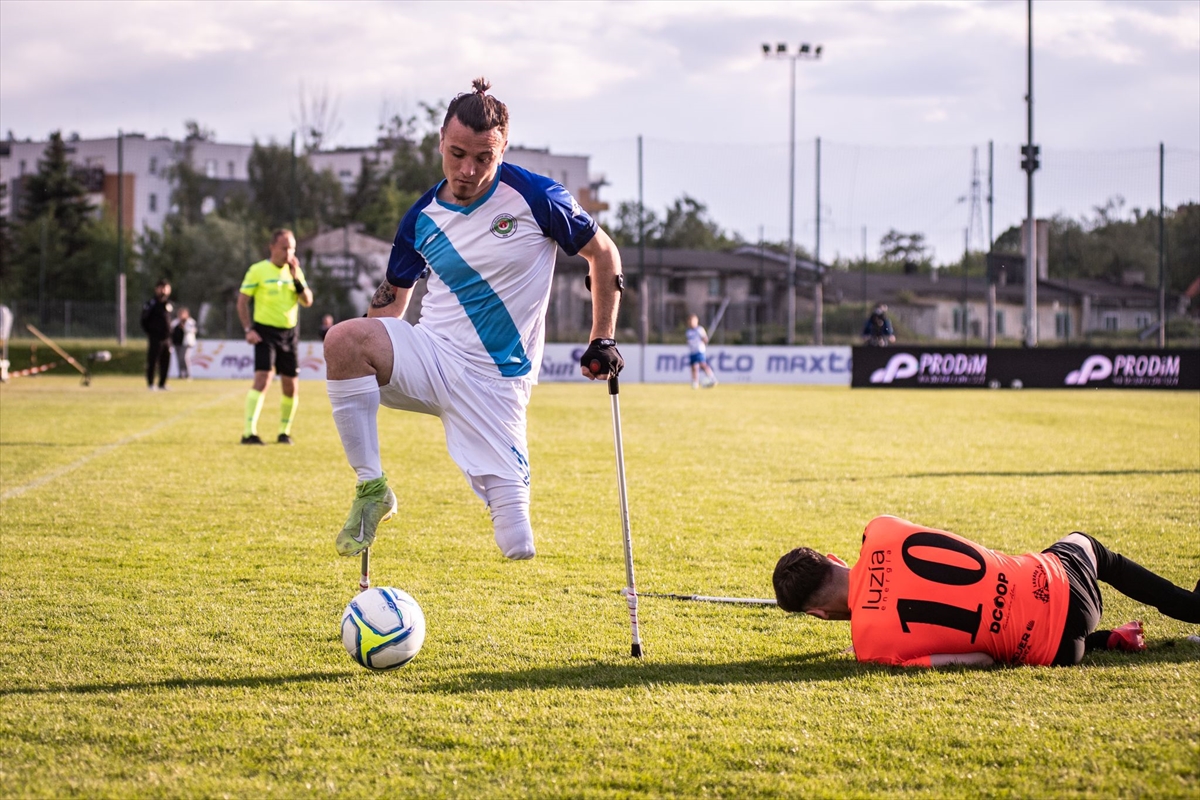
905	97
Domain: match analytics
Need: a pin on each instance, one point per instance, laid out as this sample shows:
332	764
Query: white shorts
484	416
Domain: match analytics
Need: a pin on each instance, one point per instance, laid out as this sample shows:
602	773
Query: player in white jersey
697	342
486	237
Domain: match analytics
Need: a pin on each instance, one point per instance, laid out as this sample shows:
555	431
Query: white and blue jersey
490	266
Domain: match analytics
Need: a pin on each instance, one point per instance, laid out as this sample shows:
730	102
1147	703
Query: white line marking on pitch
133	437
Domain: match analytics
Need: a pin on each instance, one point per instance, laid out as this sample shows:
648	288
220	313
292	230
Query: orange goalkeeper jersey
916	592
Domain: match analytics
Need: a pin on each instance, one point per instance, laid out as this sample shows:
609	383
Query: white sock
509	503
355	407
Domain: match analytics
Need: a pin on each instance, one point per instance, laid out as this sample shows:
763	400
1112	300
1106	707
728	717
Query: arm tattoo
384	296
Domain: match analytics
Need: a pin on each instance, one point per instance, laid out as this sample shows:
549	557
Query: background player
924	597
697	342
486	237
276	285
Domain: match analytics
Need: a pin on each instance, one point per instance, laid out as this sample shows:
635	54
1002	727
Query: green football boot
374	502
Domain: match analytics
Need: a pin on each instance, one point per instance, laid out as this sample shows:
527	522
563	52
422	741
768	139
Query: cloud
899	80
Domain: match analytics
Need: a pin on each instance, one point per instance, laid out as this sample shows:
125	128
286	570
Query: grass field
171	599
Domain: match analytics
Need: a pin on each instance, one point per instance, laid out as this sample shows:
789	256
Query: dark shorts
697	358
1085	606
277	350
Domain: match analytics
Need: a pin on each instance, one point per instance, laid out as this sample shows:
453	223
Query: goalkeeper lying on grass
924	597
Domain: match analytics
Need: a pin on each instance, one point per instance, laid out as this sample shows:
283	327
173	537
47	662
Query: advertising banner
662	363
1049	368
234	358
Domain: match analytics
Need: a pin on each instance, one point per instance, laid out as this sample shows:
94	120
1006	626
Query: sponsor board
234	358
1050	368
656	363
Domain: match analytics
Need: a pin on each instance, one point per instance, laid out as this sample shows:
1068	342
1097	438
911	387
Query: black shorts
1085	606
277	350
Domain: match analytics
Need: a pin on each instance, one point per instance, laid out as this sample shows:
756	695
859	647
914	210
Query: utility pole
121	321
1030	163
991	243
643	281
1162	260
819	284
293	184
966	255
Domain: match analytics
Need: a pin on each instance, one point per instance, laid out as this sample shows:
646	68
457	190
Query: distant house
355	261
680	282
147	179
937	306
752	285
941	305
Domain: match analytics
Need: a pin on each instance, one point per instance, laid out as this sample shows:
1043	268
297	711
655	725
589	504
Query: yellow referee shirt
274	293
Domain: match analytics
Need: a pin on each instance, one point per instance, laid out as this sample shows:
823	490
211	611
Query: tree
190	186
898	249
195	132
625	231
287	191
1111	246
204	261
686	224
59	249
319	122
413	140
56	190
382	195
6	252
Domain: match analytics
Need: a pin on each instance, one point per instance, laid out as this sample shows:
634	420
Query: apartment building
145	169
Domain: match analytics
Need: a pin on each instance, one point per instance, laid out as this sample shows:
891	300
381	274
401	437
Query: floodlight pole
819	281
805	51
1162	264
121	311
1030	164
791	267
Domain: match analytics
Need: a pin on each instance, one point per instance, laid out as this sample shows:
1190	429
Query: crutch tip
636	650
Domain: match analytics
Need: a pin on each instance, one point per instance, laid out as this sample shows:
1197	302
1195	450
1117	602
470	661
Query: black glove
299	284
602	357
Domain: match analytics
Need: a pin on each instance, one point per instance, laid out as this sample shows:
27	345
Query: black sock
1139	583
1097	640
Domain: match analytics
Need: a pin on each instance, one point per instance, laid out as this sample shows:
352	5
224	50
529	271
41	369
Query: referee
277	287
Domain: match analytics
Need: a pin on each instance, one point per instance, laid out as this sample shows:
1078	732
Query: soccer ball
383	628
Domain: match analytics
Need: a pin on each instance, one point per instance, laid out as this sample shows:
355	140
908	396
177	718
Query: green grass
171	599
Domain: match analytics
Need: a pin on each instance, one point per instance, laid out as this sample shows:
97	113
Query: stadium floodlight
806	52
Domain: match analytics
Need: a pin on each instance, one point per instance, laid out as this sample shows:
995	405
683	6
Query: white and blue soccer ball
383	628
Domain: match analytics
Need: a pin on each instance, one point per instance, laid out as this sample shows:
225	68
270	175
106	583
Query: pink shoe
1129	637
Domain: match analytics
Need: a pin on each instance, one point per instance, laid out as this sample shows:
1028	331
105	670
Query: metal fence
865	190
68	319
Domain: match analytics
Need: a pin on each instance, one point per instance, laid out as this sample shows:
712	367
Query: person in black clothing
878	331
156	322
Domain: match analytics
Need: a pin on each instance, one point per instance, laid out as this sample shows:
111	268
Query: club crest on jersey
504	226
